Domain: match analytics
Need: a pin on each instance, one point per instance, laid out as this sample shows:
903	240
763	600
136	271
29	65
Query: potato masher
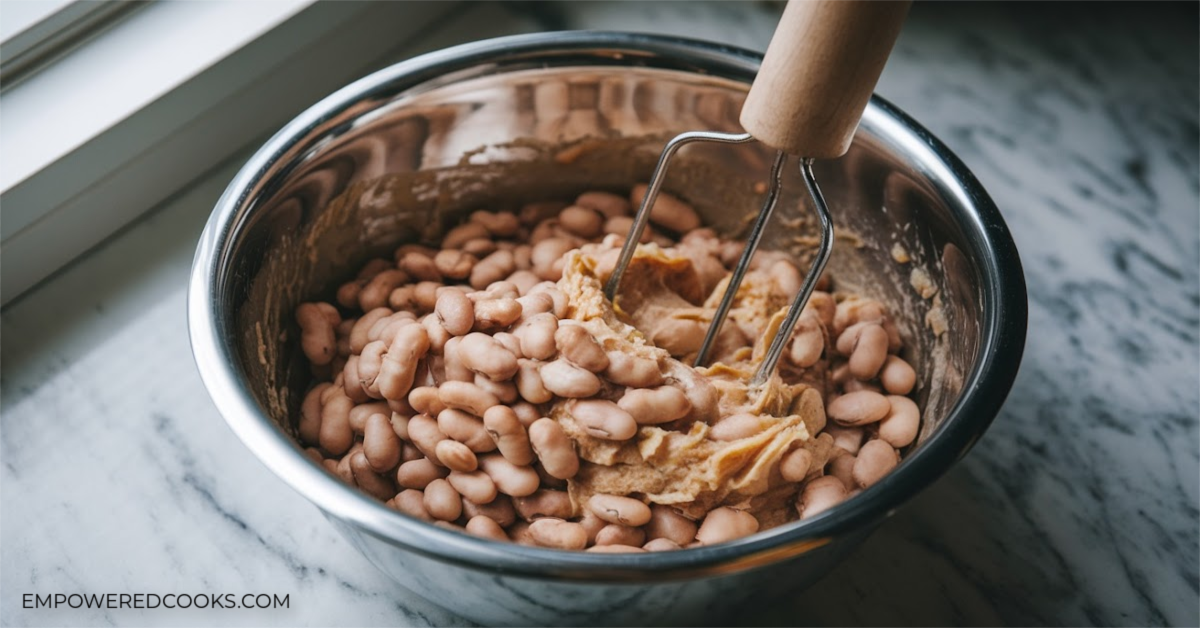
811	90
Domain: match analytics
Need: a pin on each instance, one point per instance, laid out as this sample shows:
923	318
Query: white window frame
131	115
34	32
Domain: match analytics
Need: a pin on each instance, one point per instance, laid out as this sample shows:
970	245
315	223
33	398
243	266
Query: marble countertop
1078	507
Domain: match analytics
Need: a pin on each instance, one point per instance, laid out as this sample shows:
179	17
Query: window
33	32
111	107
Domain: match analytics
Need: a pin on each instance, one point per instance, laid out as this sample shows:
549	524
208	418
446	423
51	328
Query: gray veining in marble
1079	506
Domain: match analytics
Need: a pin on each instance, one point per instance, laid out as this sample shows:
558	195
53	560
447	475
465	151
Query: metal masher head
810	92
767	367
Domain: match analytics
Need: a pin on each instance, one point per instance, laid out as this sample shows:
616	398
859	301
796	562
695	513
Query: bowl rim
1003	326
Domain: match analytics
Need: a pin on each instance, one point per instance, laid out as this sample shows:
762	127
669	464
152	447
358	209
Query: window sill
130	117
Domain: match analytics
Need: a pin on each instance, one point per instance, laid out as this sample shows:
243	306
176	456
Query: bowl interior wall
402	167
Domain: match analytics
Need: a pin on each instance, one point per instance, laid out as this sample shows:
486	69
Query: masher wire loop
779	341
810	280
652	188
739	272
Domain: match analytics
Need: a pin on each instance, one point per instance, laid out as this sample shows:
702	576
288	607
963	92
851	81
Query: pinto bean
666	523
876	459
651	406
343	469
417	474
848	439
547	257
347	293
537	335
486	527
418	266
668	212
336	436
510	342
897	376
661	545
351	382
899	428
726	524
455	311
309	427
499	509
466	396
526	412
475	486
617	509
381	445
412	503
424	433
581	221
454	264
466	429
497	313
557	533
853	311
809	341
786	277
492	268
506	392
678	336
403	298
510	479
617	534
700	392
442	501
577	345
554	448
400	362
556	295
738	426
606	203
529	382
498	224
615	549
604	419
509	435
376	292
453	369
399	423
632	371
819	495
622	226
481	353
438	334
842	468
533	304
480	247
317	337
464	233
858	408
456	456
425	399
544	503
869	353
567	380
368	480
523	278
795	465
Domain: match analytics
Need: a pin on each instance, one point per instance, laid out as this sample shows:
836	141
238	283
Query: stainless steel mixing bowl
400	154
